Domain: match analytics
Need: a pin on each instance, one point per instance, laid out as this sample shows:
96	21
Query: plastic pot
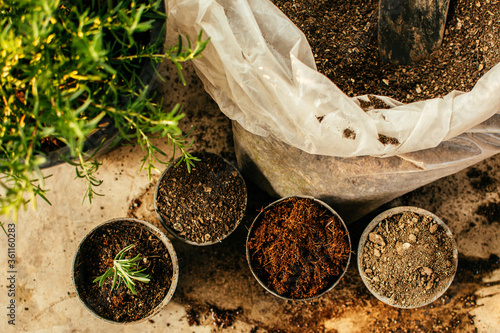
87	257
106	136
407	257
204	206
298	248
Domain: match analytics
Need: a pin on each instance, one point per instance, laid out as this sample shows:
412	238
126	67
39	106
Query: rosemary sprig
64	66
126	270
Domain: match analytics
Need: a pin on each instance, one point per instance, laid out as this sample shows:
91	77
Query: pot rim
390	212
171	251
172	231
257	220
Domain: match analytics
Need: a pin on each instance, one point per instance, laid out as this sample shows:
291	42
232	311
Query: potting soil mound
203	205
408	259
343	38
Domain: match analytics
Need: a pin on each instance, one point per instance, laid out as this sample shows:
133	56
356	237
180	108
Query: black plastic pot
412	246
214	191
106	136
319	243
81	267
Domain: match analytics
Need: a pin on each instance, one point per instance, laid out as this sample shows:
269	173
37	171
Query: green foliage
64	67
126	270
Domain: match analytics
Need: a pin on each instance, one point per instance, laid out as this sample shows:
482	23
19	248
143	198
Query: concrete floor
217	277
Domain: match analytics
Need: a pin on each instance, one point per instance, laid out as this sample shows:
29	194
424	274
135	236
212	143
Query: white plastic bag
260	69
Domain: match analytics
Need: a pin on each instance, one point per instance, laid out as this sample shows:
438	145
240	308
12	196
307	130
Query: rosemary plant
64	67
126	270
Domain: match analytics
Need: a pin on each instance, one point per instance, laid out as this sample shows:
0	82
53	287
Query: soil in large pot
95	256
343	38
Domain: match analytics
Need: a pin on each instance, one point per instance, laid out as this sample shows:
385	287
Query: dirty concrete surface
216	291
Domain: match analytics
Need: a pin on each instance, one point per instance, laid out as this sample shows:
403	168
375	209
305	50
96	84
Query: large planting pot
353	186
106	135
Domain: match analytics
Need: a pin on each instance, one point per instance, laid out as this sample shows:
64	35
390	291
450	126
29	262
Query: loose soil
408	259
298	248
96	255
343	38
481	180
203	206
490	210
224	318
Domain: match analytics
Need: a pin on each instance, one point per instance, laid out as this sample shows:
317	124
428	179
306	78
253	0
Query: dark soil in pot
95	256
408	259
343	38
298	248
203	206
